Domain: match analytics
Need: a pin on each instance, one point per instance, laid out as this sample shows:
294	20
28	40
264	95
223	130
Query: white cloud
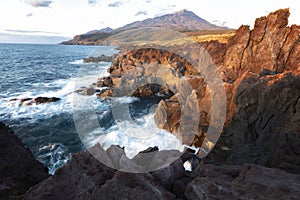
115	4
92	2
72	17
38	3
141	13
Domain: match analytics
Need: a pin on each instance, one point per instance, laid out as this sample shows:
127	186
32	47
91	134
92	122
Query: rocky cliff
260	73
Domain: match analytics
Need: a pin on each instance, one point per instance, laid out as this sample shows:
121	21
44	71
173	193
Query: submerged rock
32	101
41	100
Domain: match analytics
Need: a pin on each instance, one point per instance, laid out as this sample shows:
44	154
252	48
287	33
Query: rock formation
19	170
101	58
86	178
242	182
260	69
32	101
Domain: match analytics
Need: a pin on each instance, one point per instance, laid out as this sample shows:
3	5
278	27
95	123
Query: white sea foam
187	166
54	156
135	137
77	62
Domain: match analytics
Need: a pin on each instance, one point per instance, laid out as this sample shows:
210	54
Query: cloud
92	2
148	1
116	4
219	23
42	39
29	14
29	32
141	13
38	3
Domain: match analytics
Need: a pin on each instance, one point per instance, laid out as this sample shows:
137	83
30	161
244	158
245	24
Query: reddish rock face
269	49
271	46
252	64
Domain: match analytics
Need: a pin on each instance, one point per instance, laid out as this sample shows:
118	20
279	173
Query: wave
53	156
134	137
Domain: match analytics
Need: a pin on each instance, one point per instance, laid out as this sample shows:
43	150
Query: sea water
48	130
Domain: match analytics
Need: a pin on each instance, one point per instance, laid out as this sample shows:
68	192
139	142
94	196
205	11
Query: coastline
261	127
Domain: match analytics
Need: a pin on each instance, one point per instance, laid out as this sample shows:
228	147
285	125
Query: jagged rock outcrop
255	65
271	47
266	128
269	50
19	170
146	72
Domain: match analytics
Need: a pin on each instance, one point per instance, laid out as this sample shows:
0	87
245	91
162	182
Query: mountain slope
183	20
104	30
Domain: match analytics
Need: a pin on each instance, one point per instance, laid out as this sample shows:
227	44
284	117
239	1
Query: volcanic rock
242	182
41	100
101	58
81	176
19	170
132	186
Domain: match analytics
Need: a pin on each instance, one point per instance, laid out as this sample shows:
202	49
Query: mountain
104	30
183	20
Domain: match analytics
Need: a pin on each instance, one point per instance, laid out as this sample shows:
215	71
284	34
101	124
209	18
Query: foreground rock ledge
86	178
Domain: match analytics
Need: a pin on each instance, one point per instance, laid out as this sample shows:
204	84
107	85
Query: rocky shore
84	177
260	69
256	157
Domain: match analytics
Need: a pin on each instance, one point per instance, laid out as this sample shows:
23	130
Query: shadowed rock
242	182
19	170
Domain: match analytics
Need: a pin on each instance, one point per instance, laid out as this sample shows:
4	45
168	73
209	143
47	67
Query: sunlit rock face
255	65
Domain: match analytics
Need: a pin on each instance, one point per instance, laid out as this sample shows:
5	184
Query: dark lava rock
243	182
82	175
266	128
40	100
19	170
167	176
132	186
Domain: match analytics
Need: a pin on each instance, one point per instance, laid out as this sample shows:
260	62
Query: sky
52	21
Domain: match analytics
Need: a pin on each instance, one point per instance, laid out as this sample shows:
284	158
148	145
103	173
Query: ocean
49	130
